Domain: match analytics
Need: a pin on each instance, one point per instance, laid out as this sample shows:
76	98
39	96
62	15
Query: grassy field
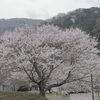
53	96
12	95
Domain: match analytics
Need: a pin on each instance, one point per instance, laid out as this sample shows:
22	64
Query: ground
12	95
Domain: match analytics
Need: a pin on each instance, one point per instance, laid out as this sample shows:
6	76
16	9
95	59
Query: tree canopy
50	56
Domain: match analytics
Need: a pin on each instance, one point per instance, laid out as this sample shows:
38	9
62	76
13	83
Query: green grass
12	95
53	94
97	94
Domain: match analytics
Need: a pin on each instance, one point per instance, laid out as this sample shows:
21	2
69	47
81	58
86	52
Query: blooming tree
4	72
16	79
50	56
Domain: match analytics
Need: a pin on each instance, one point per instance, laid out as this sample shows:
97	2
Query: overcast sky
41	9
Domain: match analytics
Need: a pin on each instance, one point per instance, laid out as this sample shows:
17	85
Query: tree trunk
42	90
49	90
42	93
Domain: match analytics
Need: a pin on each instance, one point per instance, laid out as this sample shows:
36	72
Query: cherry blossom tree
16	79
4	73
50	57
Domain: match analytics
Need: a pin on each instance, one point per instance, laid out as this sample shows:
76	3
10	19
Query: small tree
49	56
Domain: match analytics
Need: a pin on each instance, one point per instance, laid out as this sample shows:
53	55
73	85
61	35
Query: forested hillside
10	24
86	19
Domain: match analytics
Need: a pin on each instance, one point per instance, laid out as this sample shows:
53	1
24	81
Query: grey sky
41	9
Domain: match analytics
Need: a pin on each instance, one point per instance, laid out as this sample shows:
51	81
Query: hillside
10	24
86	19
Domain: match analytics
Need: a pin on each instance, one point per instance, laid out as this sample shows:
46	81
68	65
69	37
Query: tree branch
61	83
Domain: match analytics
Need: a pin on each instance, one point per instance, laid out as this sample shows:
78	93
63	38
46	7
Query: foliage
88	25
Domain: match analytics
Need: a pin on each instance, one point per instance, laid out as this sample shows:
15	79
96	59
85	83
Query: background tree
16	80
4	74
49	56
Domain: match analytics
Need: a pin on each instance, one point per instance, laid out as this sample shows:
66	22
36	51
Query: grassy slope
12	95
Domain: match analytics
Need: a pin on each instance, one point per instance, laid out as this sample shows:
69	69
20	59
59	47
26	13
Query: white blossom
50	57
